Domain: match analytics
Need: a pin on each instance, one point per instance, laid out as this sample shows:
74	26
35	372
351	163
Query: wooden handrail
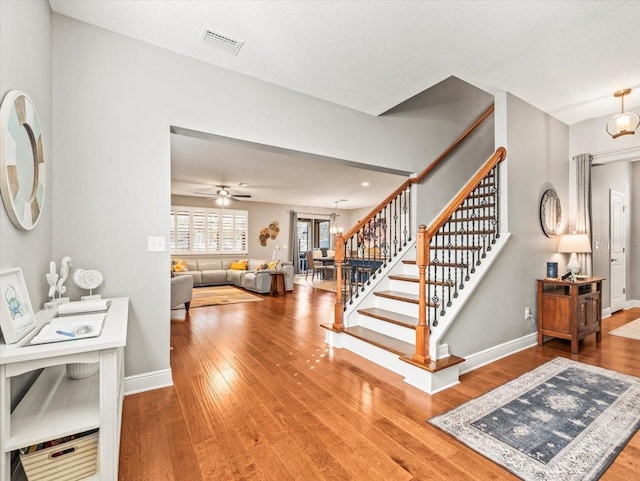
455	143
498	156
341	240
414	180
423	241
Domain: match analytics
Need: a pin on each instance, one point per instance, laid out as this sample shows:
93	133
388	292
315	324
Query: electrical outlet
527	313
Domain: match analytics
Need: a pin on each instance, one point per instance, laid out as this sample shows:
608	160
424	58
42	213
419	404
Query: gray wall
634	248
25	64
456	104
537	159
114	101
616	176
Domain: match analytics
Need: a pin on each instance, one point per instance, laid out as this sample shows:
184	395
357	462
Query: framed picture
16	315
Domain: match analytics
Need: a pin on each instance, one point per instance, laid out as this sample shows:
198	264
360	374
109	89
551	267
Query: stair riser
435	273
401	333
406	308
404	286
373	353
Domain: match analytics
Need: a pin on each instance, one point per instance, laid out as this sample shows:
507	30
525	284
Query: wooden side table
277	283
570	310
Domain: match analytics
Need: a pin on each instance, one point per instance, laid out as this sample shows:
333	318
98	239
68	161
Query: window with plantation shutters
198	230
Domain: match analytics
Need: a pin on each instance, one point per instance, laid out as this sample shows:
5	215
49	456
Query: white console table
57	406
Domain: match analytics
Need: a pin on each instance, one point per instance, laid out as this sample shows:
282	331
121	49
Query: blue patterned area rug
564	421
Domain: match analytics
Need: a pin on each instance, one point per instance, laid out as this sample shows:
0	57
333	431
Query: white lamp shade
625	123
578	243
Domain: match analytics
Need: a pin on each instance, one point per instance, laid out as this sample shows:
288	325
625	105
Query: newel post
422	329
339	263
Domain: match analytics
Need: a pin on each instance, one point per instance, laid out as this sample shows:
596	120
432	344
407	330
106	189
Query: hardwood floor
259	395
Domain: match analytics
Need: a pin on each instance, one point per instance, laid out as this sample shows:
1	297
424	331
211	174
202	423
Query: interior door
617	252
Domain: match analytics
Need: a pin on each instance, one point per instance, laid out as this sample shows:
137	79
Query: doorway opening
313	233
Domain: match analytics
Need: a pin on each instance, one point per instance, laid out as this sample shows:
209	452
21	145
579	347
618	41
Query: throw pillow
272	265
178	265
264	266
239	266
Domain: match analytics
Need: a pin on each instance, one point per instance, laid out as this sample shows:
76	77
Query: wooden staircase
389	312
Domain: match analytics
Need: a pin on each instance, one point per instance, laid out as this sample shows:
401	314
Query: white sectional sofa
217	272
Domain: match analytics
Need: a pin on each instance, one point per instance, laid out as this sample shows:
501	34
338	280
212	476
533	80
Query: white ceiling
199	162
564	57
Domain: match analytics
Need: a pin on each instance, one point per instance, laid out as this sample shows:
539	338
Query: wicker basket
69	461
82	370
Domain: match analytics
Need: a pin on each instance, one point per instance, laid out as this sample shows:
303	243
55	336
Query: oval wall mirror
550	213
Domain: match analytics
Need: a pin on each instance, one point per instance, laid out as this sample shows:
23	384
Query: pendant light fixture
335	227
624	123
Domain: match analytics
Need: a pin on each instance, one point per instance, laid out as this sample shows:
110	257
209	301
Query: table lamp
574	244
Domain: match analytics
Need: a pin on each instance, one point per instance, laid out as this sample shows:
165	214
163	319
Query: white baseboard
606	312
482	358
631	303
147	381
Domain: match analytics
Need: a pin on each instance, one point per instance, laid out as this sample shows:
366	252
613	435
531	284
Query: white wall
537	157
616	176
591	137
114	101
25	64
614	172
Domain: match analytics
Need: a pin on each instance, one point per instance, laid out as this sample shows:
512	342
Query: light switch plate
155	244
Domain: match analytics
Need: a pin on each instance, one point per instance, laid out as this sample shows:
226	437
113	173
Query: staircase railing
460	237
368	247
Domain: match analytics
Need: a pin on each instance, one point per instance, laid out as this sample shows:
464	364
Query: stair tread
400	348
440	264
476	206
402	296
390	316
383	341
411	278
467	232
435	366
471	219
480	196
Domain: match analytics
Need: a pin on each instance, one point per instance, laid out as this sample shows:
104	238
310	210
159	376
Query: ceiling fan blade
246	196
210	194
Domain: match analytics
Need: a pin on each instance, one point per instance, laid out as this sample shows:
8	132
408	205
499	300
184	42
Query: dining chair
312	265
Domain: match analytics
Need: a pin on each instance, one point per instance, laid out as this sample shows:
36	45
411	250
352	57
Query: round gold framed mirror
22	165
550	213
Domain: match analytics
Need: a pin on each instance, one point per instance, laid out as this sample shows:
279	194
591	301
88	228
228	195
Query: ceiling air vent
222	41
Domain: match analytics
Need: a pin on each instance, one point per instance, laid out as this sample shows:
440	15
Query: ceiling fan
223	195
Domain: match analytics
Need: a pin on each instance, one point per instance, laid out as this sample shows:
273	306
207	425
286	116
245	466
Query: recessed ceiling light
365	184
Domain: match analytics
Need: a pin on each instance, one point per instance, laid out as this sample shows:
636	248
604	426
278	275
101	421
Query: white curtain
583	206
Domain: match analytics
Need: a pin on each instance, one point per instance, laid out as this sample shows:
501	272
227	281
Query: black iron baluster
457	253
497	196
447	229
408	214
485	215
395	225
